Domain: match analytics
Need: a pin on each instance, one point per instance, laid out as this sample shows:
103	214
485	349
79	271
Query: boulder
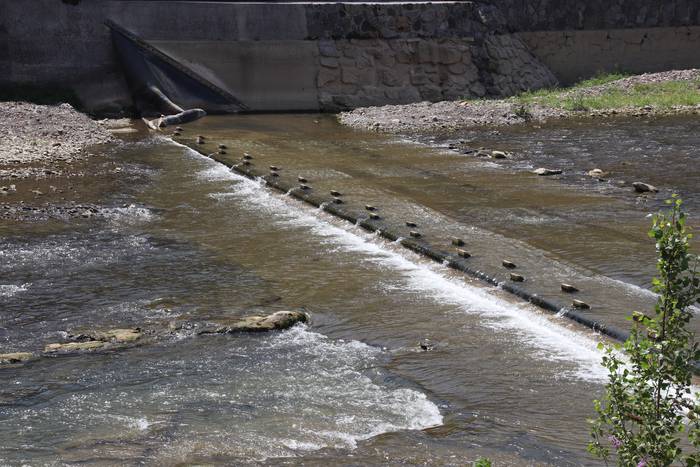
596	173
641	187
498	155
276	321
15	357
545	172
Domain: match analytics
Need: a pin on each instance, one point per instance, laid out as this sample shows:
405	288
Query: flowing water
181	237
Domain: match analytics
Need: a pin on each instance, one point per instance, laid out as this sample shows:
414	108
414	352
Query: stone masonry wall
373	55
563	15
365	72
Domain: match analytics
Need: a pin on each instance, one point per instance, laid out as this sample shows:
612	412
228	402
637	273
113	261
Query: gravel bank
32	133
449	116
46	169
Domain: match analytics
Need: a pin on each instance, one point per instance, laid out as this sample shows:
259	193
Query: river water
181	237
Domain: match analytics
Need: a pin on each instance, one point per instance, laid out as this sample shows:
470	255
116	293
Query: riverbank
57	133
44	151
653	94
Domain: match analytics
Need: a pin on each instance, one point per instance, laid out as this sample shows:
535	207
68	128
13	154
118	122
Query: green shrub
522	111
648	404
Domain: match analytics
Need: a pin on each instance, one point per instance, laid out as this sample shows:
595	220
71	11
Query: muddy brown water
179	236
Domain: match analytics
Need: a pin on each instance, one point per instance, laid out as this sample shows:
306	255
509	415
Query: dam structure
272	57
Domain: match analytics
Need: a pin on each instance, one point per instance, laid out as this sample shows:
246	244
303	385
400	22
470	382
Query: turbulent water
188	239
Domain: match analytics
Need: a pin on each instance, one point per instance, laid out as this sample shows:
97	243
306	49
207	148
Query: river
181	238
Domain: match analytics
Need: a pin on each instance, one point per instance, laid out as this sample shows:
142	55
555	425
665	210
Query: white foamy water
253	398
9	290
128	215
547	339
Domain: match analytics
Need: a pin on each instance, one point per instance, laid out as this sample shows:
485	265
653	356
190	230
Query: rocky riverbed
51	134
451	116
47	169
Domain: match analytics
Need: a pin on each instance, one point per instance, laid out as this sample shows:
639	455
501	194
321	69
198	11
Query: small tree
648	403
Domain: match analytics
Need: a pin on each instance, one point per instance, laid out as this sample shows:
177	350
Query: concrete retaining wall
333	56
574	55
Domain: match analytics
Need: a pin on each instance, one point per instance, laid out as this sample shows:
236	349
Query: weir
576	301
455	258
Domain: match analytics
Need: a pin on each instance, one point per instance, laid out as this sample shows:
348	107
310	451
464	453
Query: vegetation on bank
601	93
649	407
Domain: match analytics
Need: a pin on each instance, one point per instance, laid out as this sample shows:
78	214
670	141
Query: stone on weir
516	277
463	253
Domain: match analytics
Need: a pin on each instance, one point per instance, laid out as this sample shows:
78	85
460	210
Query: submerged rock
275	321
15	357
641	187
499	155
544	172
74	346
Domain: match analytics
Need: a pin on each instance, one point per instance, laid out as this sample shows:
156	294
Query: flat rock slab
95	340
115	339
110	335
15	357
74	346
276	321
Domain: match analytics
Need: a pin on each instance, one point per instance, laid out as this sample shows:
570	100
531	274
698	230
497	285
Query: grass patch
660	95
600	78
